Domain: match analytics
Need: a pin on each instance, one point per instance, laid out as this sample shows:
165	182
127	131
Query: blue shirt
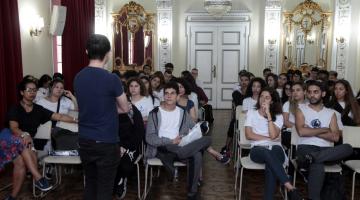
96	90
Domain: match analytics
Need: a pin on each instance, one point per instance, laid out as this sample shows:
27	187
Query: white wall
37	50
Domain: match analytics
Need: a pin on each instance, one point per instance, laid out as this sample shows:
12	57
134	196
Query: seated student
131	134
185	103
168	75
344	102
281	82
318	128
167	124
43	87
24	119
136	92
157	82
148	91
262	128
252	94
289	108
266	72
272	80
13	150
286	92
238	98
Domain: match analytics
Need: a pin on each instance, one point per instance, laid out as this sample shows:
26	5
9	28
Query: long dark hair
249	92
275	77
275	106
284	97
350	101
138	81
160	75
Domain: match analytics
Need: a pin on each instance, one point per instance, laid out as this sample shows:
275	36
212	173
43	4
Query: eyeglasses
31	90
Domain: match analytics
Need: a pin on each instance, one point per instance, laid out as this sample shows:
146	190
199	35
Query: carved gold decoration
133	16
307	15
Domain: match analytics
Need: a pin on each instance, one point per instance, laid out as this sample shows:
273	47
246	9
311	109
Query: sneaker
9	198
204	126
223	150
120	189
294	195
224	160
43	185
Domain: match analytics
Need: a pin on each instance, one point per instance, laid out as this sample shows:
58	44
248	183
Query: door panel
229	63
218	51
204	56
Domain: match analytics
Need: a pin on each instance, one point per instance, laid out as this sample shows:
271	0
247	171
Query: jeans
192	152
100	162
274	170
316	170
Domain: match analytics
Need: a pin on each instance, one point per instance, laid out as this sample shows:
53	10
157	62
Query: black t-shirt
29	121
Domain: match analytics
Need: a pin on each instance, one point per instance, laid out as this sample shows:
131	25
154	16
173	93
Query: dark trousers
274	170
126	166
100	161
191	152
321	155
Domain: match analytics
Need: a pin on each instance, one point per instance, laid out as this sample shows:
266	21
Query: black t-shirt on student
29	121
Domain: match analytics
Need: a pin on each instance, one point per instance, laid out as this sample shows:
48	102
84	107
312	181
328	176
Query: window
58	53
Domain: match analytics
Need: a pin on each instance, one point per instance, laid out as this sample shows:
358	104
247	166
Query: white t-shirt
159	95
314	119
279	90
144	105
65	105
260	126
170	123
41	93
249	104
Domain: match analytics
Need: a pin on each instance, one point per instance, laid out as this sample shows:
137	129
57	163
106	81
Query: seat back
238	112
241	122
351	135
44	131
294	136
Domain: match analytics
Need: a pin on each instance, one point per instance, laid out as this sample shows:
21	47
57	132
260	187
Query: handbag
64	142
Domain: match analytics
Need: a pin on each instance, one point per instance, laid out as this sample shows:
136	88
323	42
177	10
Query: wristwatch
24	134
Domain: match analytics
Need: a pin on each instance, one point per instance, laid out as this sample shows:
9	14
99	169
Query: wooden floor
218	179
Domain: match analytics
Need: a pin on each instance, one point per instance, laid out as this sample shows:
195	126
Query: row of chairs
44	132
350	136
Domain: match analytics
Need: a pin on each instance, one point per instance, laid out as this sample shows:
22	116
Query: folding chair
334	168
154	162
238	115
351	136
245	162
44	132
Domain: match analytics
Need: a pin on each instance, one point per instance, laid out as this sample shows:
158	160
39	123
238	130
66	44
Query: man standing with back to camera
100	97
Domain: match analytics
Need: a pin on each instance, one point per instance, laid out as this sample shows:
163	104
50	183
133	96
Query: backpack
333	187
208	113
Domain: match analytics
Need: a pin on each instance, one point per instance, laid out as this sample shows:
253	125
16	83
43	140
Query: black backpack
333	187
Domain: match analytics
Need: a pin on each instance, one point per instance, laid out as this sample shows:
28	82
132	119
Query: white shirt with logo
315	119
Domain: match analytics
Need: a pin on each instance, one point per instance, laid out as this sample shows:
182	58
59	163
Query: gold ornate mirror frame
132	24
307	15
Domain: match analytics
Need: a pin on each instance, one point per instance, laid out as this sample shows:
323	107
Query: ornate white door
219	51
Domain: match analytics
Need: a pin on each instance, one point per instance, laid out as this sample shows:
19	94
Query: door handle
214	71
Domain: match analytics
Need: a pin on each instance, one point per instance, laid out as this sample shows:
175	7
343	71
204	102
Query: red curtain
79	25
139	47
10	56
